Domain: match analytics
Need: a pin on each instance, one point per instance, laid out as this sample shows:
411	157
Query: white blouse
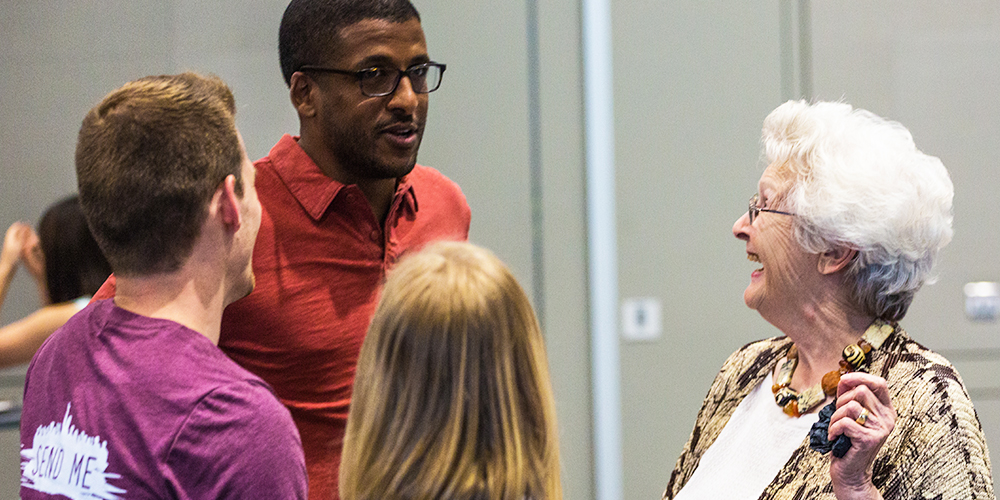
753	446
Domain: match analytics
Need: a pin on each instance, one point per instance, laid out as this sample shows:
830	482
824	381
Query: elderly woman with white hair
846	225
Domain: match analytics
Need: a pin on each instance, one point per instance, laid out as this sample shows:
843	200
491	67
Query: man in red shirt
341	203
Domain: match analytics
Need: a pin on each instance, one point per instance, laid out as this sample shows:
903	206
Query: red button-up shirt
320	260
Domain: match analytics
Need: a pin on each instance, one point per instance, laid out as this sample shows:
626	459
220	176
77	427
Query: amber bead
844	367
865	346
792	408
775	388
793	352
830	382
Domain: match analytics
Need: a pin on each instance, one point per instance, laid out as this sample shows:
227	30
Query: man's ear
301	90
835	259
228	203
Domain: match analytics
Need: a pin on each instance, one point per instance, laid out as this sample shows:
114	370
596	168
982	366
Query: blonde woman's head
452	396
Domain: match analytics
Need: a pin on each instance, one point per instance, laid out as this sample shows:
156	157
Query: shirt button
375	234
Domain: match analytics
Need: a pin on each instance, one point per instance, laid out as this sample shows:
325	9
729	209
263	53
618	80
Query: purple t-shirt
118	405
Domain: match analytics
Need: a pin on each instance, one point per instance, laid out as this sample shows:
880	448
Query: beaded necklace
855	358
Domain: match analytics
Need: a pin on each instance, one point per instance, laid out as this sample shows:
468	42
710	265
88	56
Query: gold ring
862	417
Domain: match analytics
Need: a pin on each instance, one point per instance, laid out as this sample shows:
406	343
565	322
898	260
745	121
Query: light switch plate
641	319
982	301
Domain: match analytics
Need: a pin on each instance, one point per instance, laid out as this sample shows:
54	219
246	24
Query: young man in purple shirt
132	398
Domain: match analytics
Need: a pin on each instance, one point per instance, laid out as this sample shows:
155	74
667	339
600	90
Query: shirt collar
312	188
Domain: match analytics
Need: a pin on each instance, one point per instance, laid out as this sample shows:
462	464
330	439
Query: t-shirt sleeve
238	442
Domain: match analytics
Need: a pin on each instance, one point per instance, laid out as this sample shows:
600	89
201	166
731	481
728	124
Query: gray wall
693	81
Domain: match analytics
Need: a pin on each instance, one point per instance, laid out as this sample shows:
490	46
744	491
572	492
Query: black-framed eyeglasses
753	211
377	82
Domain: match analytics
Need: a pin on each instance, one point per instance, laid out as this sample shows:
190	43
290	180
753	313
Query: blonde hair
452	397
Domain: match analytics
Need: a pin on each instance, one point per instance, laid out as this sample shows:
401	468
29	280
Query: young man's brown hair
148	159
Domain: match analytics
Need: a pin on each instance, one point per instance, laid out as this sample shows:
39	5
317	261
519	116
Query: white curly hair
859	181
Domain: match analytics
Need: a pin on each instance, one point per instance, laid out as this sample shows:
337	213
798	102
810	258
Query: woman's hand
32	257
15	241
13	245
21	245
865	414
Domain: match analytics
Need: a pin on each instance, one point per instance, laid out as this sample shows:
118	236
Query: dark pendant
818	433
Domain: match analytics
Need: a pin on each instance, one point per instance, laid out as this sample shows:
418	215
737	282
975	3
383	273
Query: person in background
132	398
452	397
846	225
67	266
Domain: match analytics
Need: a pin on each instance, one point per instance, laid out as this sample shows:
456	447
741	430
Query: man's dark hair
310	29
74	264
148	159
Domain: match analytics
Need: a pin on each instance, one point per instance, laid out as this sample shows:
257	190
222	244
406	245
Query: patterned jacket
936	451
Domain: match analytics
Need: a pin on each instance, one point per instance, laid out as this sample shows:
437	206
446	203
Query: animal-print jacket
936	451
